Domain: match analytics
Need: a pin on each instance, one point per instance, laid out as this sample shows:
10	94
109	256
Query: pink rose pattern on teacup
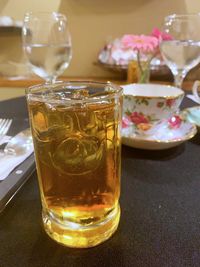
138	120
142	122
125	122
175	122
168	103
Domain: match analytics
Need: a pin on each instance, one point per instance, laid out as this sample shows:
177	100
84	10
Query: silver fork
4	126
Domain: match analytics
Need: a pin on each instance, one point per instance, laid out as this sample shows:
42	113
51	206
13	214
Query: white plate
192	115
168	135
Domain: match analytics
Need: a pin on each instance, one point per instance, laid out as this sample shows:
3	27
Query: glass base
79	236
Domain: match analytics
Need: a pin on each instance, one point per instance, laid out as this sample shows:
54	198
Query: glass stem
51	80
178	78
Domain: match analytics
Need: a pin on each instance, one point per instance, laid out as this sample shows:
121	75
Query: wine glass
47	44
181	49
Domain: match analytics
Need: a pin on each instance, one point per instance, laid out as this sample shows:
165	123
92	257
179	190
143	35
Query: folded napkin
9	162
193	98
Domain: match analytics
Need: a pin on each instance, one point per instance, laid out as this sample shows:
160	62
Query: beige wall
92	22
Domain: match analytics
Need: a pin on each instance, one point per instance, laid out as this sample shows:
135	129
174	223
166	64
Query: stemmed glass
181	50
47	44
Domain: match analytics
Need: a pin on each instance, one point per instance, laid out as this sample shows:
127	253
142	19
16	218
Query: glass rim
117	91
182	15
44	15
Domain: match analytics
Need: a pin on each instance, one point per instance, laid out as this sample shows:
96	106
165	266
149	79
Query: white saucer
192	115
168	135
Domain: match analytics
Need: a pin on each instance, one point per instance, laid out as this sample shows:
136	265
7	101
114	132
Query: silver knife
20	143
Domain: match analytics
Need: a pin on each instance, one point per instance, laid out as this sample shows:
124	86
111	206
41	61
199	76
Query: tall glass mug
76	134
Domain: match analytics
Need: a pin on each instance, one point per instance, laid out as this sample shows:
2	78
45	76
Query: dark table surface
160	220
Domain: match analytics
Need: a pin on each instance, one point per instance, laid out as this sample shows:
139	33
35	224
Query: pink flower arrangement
147	45
142	43
161	36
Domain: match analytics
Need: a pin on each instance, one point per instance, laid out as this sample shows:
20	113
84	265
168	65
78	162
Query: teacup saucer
192	115
170	134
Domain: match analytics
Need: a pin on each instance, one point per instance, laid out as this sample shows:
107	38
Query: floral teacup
146	106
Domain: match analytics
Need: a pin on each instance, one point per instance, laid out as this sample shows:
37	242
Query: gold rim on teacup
157	97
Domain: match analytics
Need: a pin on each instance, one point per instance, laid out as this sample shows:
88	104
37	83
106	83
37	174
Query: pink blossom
138	118
161	36
170	102
175	122
160	104
125	122
142	43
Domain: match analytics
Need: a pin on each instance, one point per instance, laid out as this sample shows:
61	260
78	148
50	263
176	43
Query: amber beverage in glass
76	134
